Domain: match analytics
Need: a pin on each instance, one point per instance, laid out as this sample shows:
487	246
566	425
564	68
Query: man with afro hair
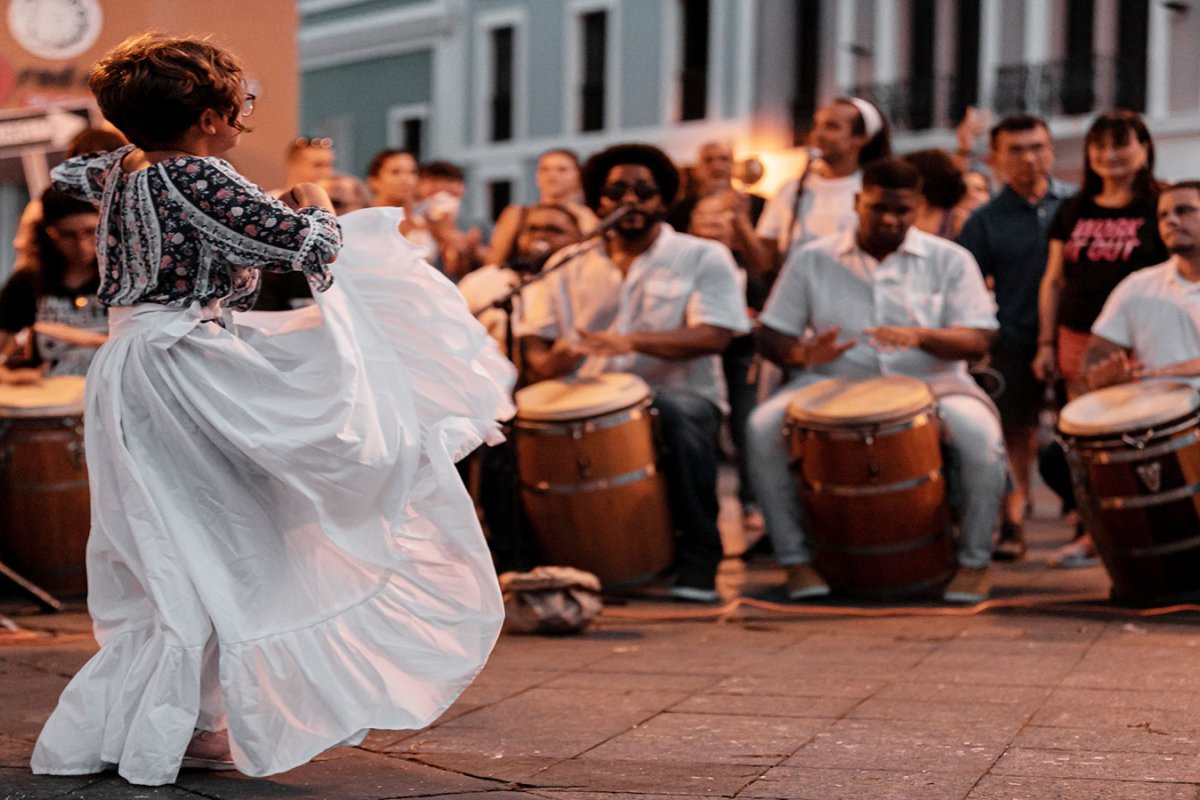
661	305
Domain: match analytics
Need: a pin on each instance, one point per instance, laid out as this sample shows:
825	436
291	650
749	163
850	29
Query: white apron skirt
280	541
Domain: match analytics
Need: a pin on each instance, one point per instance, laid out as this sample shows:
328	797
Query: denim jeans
738	361
976	453
688	428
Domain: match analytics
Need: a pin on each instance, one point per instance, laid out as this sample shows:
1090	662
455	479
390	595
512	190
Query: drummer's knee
973	432
764	427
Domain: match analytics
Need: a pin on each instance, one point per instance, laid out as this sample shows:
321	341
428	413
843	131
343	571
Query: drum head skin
50	397
844	401
1128	407
580	398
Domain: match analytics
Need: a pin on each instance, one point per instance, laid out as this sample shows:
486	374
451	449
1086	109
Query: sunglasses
642	190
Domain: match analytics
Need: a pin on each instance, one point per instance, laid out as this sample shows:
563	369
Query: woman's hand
1045	363
305	195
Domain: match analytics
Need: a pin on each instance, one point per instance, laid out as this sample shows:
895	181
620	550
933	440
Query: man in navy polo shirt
1007	236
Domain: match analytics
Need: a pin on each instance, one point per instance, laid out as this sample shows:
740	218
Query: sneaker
1011	544
970	585
694	594
1079	554
805	583
762	548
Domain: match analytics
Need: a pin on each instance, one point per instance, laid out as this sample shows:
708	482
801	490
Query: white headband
872	119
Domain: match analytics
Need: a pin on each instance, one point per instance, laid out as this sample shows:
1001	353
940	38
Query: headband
872	119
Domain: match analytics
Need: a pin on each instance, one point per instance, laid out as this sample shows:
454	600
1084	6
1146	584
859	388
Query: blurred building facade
48	47
490	84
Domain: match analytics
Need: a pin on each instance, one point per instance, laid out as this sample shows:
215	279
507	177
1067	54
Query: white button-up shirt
680	281
927	282
1155	313
826	208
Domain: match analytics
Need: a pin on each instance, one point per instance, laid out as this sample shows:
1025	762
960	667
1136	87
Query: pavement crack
416	759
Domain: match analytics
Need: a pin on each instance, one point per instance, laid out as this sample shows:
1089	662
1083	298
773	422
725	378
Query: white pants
976	447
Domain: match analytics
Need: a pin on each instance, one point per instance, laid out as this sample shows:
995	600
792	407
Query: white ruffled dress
281	543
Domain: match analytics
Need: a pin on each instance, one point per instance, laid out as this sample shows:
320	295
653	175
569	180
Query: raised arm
253	228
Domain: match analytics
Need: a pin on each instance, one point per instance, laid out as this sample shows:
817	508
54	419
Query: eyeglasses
248	105
642	190
320	142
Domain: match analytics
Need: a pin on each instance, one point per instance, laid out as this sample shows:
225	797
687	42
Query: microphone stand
505	303
555	262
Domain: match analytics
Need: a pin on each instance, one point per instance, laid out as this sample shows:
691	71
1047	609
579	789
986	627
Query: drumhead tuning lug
1138	443
868	437
6	447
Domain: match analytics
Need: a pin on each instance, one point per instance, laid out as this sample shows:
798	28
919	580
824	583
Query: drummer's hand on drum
21	376
602	343
1116	367
822	348
71	335
562	357
1180	369
893	337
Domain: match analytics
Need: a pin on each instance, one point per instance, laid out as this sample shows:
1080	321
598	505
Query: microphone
610	222
813	154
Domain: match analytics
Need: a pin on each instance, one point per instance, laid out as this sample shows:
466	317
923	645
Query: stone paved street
1056	696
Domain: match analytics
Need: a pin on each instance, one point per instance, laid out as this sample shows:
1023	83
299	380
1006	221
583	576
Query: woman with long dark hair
1103	234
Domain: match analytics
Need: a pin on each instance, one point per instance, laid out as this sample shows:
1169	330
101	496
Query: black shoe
761	548
1011	545
695	588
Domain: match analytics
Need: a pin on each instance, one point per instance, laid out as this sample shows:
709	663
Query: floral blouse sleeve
249	228
84	176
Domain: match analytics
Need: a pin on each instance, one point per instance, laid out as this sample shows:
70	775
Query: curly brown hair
154	87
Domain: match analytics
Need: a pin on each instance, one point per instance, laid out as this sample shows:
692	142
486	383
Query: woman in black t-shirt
56	299
1104	233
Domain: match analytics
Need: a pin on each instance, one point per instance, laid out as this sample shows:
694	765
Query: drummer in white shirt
663	306
886	299
1150	324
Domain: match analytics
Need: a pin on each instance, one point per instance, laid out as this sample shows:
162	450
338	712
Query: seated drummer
1150	325
52	302
886	299
662	305
542	230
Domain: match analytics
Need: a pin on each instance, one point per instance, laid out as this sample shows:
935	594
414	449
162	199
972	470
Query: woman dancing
282	555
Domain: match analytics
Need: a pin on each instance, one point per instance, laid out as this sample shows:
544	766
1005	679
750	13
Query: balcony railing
1048	89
